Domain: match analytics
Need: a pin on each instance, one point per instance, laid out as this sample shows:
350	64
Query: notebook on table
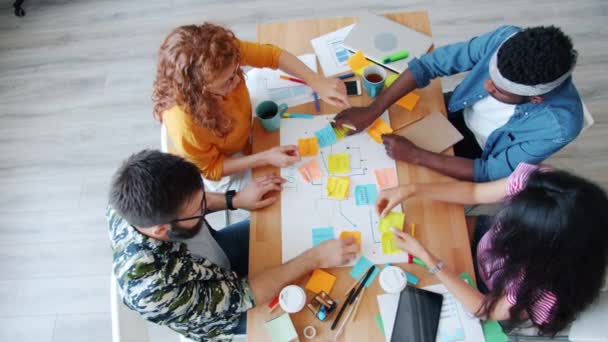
418	315
378	37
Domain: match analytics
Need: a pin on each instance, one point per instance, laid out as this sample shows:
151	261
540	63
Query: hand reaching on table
357	117
254	195
282	156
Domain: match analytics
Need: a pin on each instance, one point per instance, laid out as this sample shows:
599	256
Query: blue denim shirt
533	133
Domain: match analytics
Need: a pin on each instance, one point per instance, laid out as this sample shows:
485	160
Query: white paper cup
292	299
393	279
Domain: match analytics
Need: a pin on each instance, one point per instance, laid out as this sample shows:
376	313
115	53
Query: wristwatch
229	196
438	267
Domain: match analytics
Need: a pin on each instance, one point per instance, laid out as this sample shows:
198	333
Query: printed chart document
331	53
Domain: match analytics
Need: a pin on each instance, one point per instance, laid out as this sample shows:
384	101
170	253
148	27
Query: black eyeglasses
178	232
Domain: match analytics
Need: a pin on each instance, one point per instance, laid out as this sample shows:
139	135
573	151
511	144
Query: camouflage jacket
166	285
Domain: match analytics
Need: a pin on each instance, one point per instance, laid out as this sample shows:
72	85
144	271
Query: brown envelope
432	133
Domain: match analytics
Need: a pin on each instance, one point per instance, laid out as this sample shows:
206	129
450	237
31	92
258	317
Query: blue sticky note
326	136
322	234
362	265
366	194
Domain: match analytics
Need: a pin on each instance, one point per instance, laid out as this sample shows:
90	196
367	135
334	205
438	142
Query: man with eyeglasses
175	270
517	103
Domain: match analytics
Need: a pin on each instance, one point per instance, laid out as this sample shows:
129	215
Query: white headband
522	89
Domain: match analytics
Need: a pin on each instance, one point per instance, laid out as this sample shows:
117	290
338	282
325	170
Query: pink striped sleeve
519	177
542	306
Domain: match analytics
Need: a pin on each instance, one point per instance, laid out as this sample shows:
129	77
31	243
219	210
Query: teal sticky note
366	194
361	266
326	136
281	329
322	234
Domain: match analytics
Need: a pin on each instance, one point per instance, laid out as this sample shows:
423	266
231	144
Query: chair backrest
587	118
127	325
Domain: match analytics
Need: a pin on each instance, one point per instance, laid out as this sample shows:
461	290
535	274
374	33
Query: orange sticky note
355	234
357	61
320	281
386	178
409	101
337	187
311	171
308	147
378	128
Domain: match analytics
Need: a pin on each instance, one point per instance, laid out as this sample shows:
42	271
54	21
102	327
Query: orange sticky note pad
355	234
409	101
357	61
386	178
378	128
320	281
311	171
308	147
337	187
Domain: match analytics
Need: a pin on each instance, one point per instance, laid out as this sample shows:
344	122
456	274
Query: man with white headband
516	104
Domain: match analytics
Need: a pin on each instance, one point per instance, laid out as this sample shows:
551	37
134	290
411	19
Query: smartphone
353	88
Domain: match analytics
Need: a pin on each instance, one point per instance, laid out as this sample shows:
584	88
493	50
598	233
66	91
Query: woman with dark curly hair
543	258
202	99
516	104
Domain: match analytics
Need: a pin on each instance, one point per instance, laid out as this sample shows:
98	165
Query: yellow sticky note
378	128
357	61
311	171
390	79
320	281
340	132
338	163
308	147
337	187
409	101
388	244
386	178
392	219
355	234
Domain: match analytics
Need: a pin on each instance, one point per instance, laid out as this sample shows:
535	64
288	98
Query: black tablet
417	316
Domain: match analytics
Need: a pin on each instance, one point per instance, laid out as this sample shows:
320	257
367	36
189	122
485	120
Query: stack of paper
332	55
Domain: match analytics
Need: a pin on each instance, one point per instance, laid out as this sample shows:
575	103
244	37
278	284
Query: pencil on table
413	230
354	284
359	300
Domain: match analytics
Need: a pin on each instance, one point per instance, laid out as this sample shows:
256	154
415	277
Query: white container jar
393	279
292	299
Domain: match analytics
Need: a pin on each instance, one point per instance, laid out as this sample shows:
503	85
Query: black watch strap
229	197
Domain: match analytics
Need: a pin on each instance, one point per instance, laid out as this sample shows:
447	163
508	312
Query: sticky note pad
337	187
392	219
326	136
338	163
320	281
386	178
357	61
390	79
340	132
366	194
378	128
311	171
355	234
322	234
281	329
308	147
361	266
388	243
409	101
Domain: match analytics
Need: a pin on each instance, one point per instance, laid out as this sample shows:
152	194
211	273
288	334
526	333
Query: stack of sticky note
308	147
281	329
338	163
337	187
377	129
391	220
409	101
320	281
355	234
358	62
311	171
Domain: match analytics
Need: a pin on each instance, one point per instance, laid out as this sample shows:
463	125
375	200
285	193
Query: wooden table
440	226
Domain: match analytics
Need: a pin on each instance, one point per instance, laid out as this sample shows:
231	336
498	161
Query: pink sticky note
311	171
386	178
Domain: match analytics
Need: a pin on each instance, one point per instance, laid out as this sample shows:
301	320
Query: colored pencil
359	300
292	79
413	230
317	104
298	115
345	76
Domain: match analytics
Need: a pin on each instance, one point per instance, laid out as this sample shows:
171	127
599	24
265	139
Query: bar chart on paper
334	192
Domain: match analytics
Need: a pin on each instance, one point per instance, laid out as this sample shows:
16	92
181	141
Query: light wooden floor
75	85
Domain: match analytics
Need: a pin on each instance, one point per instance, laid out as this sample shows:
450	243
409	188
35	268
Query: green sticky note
392	219
379	322
281	329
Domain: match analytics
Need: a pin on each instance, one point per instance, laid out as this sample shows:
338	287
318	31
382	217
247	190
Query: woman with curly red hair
201	97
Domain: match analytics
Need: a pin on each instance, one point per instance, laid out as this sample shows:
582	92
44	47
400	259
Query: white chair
127	325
